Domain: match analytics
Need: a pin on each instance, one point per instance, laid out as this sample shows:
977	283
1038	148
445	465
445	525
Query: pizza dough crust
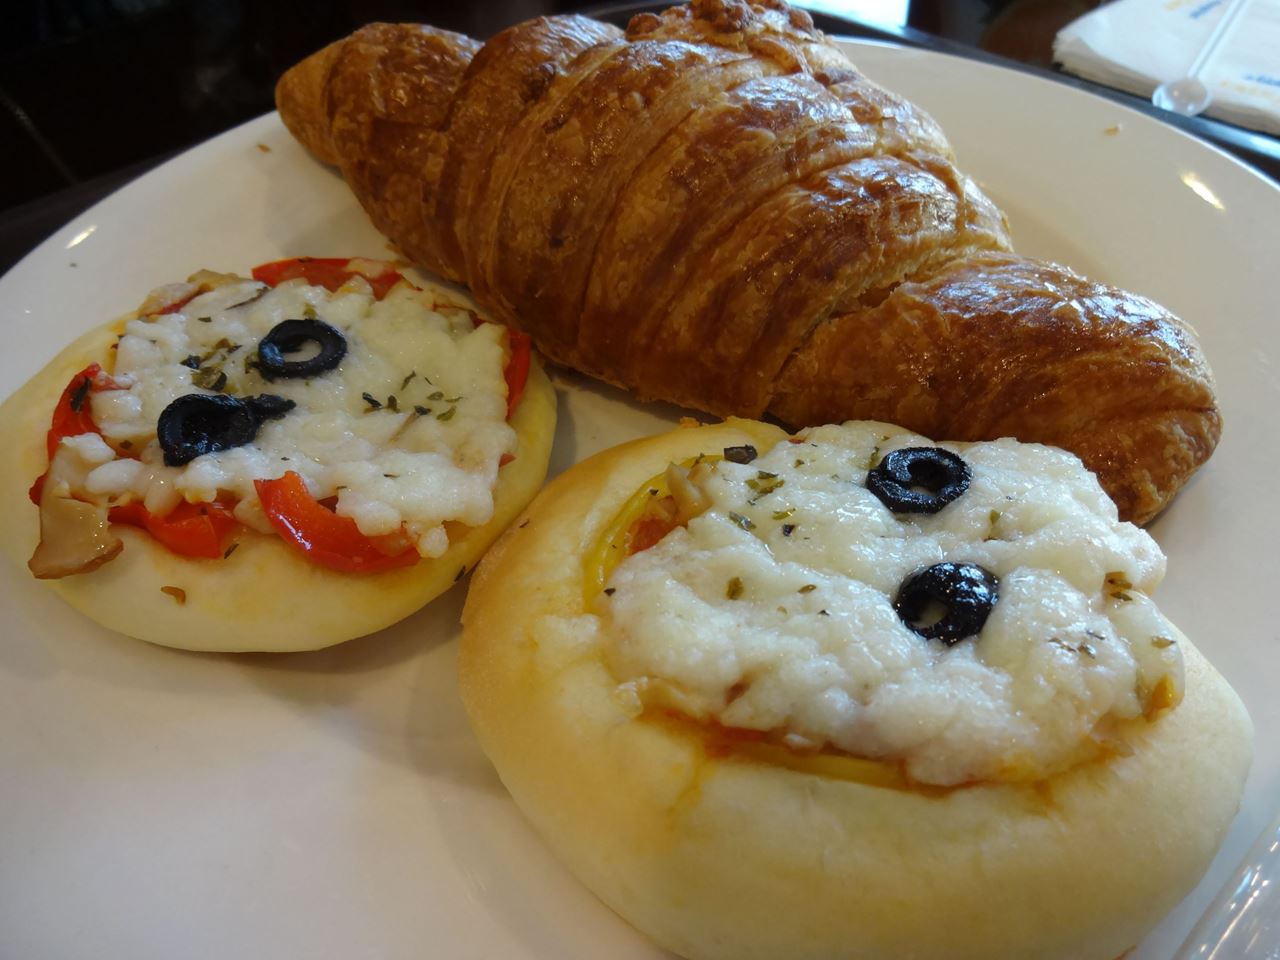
721	857
266	596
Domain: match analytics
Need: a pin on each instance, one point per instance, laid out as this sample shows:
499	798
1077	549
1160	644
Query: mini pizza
276	462
851	694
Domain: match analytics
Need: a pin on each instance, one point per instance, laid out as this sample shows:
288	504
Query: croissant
716	208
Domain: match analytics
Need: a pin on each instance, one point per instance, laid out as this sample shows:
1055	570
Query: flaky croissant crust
715	208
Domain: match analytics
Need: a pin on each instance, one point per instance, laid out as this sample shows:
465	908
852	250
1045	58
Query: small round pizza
851	693
276	462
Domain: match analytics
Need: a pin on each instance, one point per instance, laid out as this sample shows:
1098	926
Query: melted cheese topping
428	457
773	611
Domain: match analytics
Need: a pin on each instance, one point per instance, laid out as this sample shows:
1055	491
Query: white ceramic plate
334	805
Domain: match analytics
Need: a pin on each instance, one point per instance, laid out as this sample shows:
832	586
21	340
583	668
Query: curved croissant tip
300	94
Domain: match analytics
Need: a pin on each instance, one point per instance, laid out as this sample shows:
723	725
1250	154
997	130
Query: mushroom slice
686	486
75	537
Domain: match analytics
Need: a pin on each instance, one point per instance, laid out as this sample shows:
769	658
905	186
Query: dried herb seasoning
82	391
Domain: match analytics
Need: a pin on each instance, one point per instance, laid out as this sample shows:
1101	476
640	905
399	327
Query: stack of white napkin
1138	44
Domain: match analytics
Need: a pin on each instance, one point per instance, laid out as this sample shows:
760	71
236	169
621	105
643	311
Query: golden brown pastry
158	515
773	761
715	208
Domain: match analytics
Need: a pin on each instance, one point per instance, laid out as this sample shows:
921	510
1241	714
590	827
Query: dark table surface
128	119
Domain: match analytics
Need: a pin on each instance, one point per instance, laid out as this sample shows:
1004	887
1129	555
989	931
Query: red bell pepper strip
173	306
517	375
328	272
190	529
72	416
517	370
326	538
647	531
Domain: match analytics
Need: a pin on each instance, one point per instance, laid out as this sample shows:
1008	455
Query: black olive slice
919	479
965	593
289	336
743	454
201	423
269	406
